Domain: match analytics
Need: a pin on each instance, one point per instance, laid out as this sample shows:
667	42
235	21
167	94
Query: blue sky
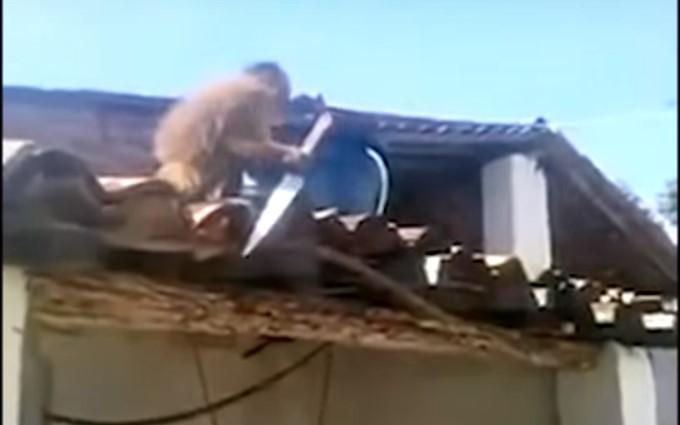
605	71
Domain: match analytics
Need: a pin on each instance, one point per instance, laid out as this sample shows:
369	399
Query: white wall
621	390
665	369
109	375
515	210
14	308
117	376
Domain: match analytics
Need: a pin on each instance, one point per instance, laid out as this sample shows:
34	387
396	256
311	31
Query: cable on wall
199	411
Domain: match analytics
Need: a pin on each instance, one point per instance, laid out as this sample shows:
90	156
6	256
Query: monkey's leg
186	179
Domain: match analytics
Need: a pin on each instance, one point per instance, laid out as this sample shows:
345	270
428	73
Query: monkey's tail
378	282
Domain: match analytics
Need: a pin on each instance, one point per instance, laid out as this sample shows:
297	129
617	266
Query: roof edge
646	236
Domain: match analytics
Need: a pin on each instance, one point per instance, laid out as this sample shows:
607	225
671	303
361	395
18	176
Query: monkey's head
274	77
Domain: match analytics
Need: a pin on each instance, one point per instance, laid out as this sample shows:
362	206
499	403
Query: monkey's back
195	128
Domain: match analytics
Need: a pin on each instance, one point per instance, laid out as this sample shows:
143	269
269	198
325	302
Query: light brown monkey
205	141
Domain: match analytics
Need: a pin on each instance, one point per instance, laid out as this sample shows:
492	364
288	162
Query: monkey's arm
248	130
259	145
269	150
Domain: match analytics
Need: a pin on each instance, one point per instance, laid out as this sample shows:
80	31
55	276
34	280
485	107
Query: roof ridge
302	103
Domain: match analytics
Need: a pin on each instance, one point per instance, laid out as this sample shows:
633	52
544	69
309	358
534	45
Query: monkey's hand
296	159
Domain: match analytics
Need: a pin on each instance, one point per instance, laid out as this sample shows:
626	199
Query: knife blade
289	186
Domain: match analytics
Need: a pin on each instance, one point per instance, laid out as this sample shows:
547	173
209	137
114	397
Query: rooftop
163	267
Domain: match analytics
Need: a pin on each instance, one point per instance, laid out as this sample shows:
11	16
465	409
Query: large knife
287	189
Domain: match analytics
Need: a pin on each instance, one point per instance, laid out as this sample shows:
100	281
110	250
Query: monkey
205	141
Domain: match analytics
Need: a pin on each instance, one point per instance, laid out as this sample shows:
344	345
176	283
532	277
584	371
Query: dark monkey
205	141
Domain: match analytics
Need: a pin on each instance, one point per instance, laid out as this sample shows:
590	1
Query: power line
199	411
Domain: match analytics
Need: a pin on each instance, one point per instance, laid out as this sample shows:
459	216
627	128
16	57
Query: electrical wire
328	365
198	411
203	381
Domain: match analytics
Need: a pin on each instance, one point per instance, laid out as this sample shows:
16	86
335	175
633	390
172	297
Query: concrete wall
114	376
13	320
515	210
619	391
117	376
629	386
665	369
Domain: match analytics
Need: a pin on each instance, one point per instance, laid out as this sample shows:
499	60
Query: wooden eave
136	303
645	238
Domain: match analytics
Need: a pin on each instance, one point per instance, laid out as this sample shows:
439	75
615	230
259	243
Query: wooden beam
645	237
138	303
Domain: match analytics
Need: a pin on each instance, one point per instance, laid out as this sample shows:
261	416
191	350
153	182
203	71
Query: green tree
632	197
668	202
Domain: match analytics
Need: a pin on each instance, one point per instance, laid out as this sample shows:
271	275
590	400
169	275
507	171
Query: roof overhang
137	303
